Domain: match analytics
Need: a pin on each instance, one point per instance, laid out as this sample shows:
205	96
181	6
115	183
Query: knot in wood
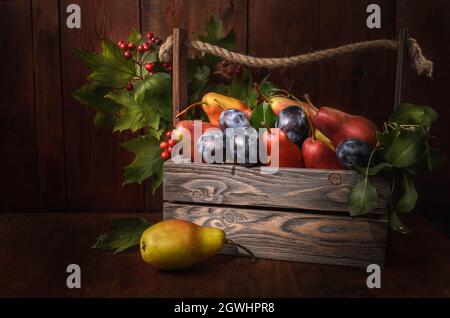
335	178
196	194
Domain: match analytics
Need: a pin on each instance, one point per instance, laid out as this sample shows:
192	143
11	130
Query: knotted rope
419	62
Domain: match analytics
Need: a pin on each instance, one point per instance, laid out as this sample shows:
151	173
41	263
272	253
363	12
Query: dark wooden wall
54	159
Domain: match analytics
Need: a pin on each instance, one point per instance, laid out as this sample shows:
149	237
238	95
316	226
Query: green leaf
154	95
147	162
135	37
374	170
198	82
90	59
123	234
213	31
228	42
263	113
408	200
241	86
105	119
410	114
402	148
362	198
398	225
214	35
432	160
131	115
112	70
92	94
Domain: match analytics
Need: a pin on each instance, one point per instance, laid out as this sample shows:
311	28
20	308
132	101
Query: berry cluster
143	51
231	69
167	146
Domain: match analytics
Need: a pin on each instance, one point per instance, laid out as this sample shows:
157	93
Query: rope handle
419	62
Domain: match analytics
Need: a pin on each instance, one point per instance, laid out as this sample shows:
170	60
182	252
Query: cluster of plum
321	138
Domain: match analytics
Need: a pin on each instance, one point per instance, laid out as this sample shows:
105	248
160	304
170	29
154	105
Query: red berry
165	155
131	46
121	42
146	46
157	40
149	67
149	35
172	142
225	63
127	54
169	150
129	86
170	68
164	145
140	49
229	72
123	46
168	134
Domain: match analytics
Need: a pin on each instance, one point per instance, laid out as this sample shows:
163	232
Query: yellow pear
177	244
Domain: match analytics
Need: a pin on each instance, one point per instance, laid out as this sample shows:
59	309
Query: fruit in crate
289	153
318	155
233	118
211	146
338	126
294	123
243	144
214	104
178	244
279	103
187	126
352	153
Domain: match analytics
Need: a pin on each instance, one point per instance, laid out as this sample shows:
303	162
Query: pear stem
308	100
189	107
246	250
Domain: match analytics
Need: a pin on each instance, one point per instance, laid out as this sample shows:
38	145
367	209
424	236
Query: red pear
318	155
289	153
338	125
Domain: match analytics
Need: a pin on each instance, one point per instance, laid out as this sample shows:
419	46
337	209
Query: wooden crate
294	215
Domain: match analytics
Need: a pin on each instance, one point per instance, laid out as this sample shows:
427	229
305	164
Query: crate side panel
310	189
299	237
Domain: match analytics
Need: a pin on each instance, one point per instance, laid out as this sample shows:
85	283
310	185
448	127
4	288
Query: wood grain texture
281	29
49	107
429	23
418	265
362	83
310	189
94	160
179	91
161	16
293	236
19	162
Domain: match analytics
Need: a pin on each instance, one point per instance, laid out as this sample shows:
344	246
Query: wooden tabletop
35	250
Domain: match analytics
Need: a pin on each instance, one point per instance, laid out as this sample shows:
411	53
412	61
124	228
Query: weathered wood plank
300	237
20	185
180	93
429	23
49	107
310	189
282	29
94	160
360	83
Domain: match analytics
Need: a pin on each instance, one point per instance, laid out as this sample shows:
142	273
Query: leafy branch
405	152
